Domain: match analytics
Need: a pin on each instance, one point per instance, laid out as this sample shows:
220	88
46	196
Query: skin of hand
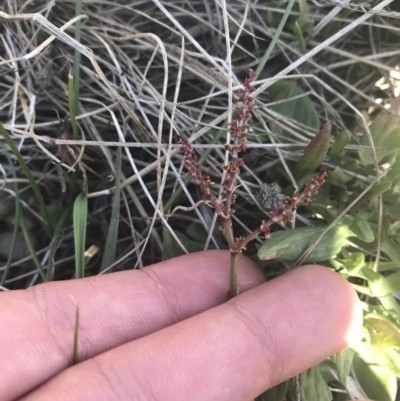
167	332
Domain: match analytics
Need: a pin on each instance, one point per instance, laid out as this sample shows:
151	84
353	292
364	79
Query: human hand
166	333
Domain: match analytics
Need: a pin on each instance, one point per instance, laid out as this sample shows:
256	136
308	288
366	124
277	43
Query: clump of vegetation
96	98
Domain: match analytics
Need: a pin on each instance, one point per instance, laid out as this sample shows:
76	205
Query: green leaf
27	236
337	177
341	141
382	266
390	247
168	242
365	273
387	358
394	229
344	361
376	381
304	7
304	22
80	222
385	135
289	245
172	247
314	152
301	109
362	230
73	104
386	285
197	232
43	208
299	34
313	387
383	333
394	173
379	189
354	262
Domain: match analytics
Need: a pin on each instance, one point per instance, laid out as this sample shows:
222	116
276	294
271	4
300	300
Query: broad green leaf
377	382
339	144
390	247
392	142
383	333
382	266
366	274
314	152
337	177
320	208
305	22
387	358
289	245
80	221
344	361
386	285
304	7
173	249
385	136
394	229
362	230
313	387
301	109
379	189
196	232
354	262
394	173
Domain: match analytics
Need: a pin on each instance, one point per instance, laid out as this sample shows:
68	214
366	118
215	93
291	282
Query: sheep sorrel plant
239	129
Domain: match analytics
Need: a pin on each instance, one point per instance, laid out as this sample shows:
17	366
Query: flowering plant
239	129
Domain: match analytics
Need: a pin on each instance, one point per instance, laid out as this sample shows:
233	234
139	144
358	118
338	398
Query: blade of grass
31	248
112	237
72	105
17	217
54	244
43	208
275	38
80	221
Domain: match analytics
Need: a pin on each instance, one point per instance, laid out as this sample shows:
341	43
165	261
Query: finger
234	351
37	326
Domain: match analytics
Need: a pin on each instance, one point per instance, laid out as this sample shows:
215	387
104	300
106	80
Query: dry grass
151	73
146	74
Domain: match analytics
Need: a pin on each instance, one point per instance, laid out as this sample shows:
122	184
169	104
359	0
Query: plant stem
233	286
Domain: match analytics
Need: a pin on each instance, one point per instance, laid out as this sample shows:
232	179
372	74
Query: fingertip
342	299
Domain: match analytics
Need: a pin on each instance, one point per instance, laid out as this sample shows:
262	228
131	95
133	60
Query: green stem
233	273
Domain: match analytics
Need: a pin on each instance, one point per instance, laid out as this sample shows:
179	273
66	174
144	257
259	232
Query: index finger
37	325
234	351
